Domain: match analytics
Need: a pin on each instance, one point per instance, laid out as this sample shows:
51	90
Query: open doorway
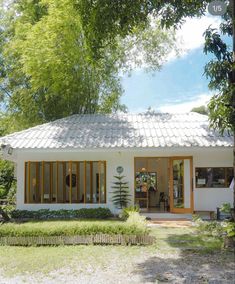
152	184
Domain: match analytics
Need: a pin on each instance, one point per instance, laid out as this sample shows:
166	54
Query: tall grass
71	228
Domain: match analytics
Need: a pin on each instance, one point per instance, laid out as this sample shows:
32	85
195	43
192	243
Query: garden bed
132	231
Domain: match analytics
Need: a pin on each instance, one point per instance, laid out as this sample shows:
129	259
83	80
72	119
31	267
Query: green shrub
225	208
83	213
138	221
70	228
210	228
230	229
196	218
3	192
94	213
7	180
126	211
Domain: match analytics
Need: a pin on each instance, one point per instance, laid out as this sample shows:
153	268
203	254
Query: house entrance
163	184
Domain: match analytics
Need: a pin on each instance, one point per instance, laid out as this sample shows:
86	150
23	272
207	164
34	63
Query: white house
172	163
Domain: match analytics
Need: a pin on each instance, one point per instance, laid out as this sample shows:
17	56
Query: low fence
100	239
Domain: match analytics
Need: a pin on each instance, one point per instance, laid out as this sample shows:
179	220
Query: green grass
172	241
69	228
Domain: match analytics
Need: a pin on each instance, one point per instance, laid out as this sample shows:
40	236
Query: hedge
83	213
70	228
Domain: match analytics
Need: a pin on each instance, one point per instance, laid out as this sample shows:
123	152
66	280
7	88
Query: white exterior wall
211	198
204	198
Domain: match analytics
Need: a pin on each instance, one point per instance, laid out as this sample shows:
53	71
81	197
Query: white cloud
192	31
190	36
201	99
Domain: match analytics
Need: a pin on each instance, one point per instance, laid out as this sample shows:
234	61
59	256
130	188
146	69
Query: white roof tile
120	130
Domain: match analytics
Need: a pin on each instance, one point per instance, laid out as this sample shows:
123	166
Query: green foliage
230	229
196	218
225	208
54	61
121	194
218	71
200	109
83	213
134	219
210	228
103	20
7	181
51	67
70	228
128	210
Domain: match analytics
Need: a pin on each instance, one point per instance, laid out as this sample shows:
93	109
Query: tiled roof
120	131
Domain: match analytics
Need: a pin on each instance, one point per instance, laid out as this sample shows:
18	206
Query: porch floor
166	216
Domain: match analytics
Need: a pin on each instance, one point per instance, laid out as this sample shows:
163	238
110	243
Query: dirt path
152	267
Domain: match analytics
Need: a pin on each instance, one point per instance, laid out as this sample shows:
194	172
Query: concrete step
167	216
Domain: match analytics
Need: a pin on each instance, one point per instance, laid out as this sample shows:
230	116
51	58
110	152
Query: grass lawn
179	253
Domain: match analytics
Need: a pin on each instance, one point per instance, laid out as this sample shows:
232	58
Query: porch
163	185
166	216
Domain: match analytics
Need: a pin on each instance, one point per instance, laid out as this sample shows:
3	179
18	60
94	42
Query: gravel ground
153	267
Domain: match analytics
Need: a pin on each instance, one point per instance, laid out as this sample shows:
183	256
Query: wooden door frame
181	210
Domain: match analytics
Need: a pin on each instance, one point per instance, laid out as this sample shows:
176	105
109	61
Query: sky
180	85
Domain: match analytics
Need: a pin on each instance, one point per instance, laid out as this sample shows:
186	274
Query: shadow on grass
189	259
194	242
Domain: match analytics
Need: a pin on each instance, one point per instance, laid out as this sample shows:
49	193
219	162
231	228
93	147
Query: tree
6	178
200	109
221	72
121	192
103	20
49	67
49	72
218	70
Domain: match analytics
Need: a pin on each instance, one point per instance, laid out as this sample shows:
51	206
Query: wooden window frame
40	181
77	181
25	182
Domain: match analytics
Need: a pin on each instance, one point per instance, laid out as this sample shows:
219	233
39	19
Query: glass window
141	164
213	177
102	187
65	182
178	183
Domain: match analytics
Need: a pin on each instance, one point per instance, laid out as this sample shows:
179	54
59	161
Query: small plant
127	210
137	221
226	208
210	228
230	229
121	193
196	218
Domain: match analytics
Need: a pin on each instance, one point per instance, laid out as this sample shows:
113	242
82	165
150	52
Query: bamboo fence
99	239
